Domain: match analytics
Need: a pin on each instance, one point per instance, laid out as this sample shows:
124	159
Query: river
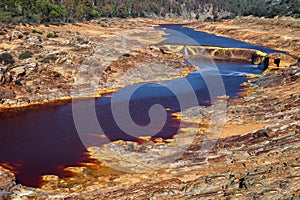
44	140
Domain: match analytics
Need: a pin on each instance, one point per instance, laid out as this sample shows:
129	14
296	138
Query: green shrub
38	32
95	13
18	82
25	55
126	55
82	41
50	58
52	35
208	19
6	58
39	57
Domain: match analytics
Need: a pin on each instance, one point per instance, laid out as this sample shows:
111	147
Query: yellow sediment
260	53
250	76
7	107
230	130
7	46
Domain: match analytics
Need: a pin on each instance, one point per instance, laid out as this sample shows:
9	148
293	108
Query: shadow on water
44	140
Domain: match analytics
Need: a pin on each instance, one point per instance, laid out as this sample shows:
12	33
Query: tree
95	13
107	11
45	11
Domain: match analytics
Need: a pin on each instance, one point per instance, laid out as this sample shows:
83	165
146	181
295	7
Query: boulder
33	40
18	71
5	77
65	42
7	179
258	58
31	66
16	35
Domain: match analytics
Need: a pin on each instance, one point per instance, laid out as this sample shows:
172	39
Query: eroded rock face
215	52
260	164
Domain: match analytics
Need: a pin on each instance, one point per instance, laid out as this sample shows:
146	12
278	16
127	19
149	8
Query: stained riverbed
44	140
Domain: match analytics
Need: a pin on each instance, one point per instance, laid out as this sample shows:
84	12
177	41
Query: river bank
281	33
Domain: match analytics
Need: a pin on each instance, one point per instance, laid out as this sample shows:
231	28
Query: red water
43	140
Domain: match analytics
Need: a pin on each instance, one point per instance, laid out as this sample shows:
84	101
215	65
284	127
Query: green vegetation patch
25	55
36	31
52	35
56	12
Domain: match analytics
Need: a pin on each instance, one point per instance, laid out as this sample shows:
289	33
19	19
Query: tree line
51	11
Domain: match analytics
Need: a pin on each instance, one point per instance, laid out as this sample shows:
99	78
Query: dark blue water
44	140
188	36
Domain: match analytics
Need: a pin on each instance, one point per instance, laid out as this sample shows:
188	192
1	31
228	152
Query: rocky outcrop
278	61
271	62
206	11
258	58
252	55
7	181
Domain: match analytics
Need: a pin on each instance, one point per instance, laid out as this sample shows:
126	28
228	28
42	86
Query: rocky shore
254	156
